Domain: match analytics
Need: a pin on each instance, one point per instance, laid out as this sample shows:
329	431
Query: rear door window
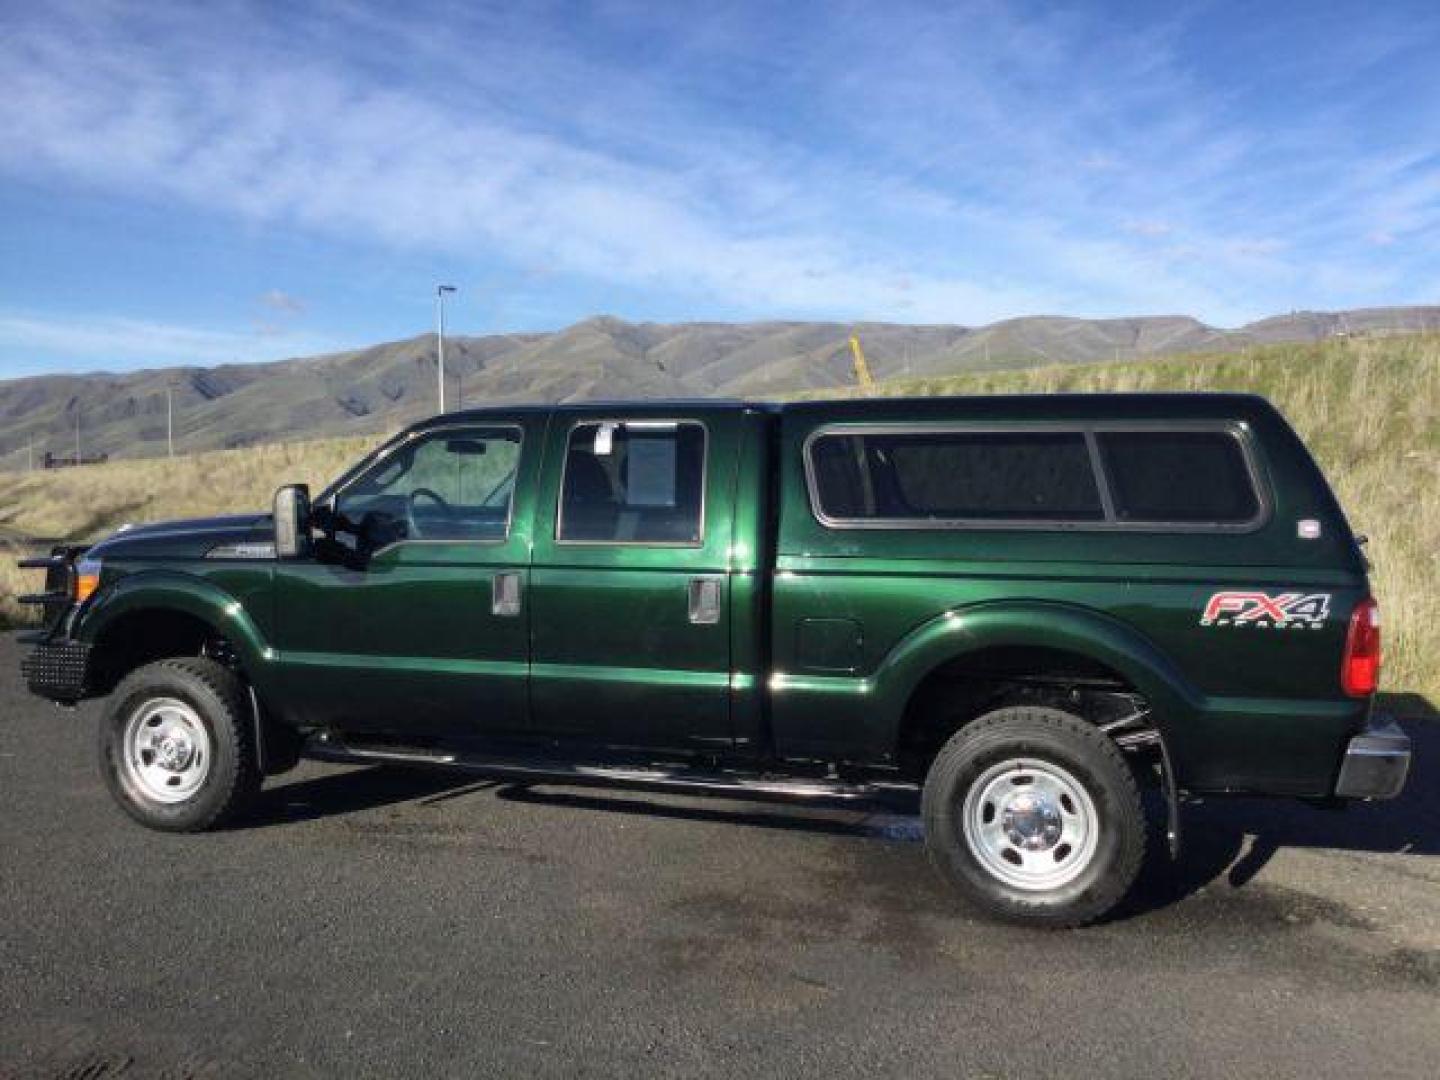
633	482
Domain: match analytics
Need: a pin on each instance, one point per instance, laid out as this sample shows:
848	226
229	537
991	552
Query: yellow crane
862	369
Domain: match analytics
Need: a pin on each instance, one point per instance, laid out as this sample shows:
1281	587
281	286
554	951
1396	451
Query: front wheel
1035	816
177	745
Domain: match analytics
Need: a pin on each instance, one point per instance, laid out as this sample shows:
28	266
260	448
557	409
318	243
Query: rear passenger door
630	640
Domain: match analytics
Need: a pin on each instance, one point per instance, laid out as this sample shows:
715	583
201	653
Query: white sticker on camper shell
1284	611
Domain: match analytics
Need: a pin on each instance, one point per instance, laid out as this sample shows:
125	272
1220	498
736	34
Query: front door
418	625
630	581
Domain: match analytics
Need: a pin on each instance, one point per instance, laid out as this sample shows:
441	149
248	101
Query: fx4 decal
1281	610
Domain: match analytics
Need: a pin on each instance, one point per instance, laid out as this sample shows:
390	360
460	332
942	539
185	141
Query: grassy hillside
1368	407
82	504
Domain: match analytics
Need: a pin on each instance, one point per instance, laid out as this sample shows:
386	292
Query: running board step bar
679	779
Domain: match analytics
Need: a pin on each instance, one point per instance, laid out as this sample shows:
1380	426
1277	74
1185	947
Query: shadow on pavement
870	819
335	794
1216	829
1229	838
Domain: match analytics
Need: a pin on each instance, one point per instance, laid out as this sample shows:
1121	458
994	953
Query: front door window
450	485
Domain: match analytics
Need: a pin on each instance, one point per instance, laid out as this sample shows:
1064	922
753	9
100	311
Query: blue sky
204	183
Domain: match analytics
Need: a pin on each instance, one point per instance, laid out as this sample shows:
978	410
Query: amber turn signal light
87	580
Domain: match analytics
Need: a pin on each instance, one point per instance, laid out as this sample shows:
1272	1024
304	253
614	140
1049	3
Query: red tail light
1360	670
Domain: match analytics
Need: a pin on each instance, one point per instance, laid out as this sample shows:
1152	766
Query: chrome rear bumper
1376	762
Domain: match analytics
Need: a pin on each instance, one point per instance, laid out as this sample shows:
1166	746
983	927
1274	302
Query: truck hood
189	538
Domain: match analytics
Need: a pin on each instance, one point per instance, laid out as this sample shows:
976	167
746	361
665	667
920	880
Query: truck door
630	622
425	631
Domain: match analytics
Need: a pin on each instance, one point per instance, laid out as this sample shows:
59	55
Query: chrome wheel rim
1030	823
166	750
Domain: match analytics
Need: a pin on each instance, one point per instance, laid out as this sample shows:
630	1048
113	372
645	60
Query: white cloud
924	181
308	144
311	143
137	340
281	301
1148	227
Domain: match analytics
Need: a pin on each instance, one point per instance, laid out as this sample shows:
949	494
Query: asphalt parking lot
370	922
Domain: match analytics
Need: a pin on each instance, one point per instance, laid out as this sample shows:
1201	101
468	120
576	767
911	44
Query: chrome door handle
705	601
505	593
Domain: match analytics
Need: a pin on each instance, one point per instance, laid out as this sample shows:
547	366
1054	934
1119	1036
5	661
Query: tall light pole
440	291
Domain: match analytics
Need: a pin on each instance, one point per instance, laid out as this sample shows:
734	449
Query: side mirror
292	522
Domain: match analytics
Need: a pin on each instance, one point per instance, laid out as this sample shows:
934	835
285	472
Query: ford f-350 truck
1030	609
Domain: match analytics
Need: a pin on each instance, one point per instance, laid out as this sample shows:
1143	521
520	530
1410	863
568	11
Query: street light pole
440	291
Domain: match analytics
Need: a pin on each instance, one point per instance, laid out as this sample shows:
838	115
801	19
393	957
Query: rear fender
1038	624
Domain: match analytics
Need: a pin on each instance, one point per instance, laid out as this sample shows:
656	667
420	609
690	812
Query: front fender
168	590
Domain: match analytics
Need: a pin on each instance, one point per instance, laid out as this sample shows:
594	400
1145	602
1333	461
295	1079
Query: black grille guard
59	589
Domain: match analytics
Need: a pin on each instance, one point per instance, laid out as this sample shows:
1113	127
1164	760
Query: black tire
1049	743
230	777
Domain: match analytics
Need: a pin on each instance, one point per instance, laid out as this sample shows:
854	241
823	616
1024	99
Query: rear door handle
505	593
705	601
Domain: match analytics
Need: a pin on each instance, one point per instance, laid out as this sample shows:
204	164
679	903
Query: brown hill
379	388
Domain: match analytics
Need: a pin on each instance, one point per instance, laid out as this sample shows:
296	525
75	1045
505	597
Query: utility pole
170	418
30	452
77	432
440	291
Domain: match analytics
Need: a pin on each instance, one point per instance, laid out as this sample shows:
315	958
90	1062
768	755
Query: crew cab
1027	609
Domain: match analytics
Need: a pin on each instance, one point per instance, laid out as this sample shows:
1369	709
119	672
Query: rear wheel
177	745
1035	816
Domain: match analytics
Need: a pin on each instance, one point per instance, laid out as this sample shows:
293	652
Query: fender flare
168	590
1038	624
1065	627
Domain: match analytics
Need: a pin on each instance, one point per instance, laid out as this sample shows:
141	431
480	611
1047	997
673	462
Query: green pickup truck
1032	610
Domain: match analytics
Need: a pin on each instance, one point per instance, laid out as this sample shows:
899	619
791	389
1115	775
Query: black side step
681	779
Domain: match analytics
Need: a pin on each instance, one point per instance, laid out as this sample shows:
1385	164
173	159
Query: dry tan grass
14	581
83	504
1368	408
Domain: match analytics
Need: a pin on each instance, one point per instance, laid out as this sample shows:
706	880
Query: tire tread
1011	905
239	781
